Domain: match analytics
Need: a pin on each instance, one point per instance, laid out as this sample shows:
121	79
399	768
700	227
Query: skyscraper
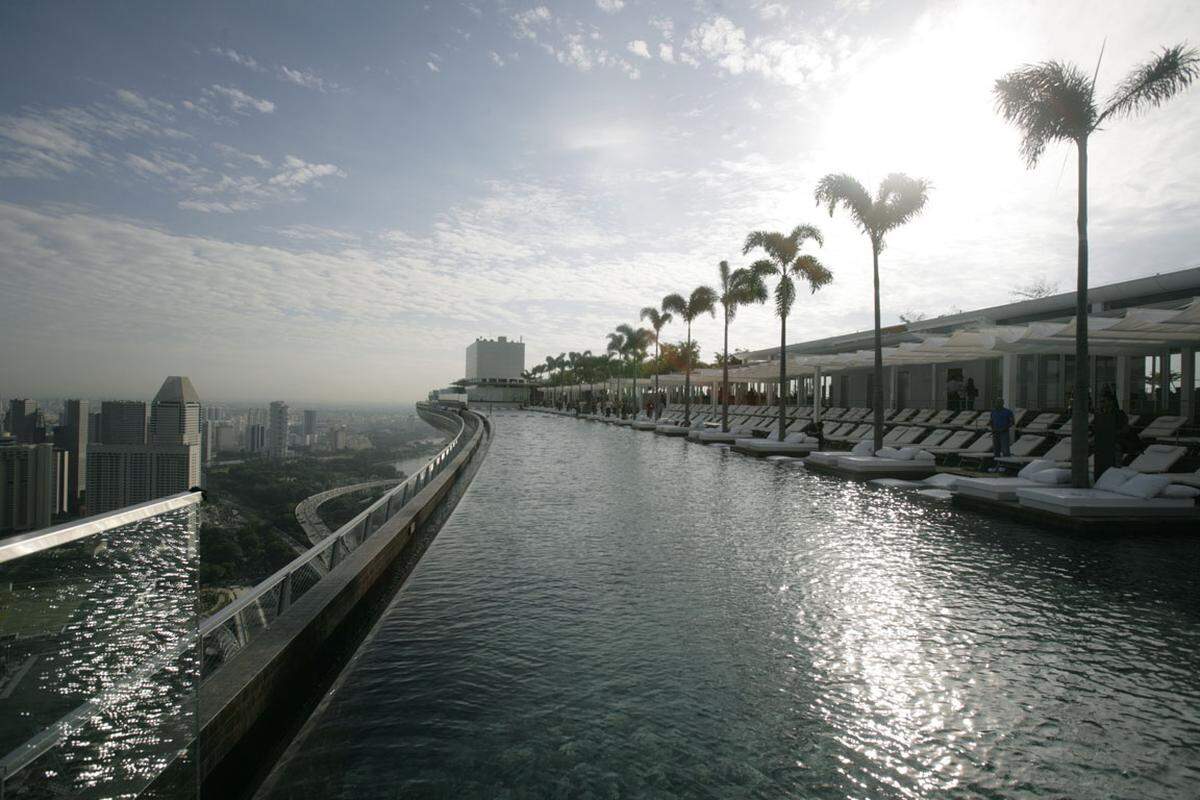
277	433
31	486
124	421
164	463
24	421
310	422
72	436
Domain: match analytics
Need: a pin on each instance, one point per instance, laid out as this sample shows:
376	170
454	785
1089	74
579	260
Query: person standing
970	393
1001	423
953	389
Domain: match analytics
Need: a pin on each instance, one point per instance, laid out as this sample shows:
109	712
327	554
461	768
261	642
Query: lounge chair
909	462
1034	474
1023	446
1158	458
793	444
1116	494
921	416
696	423
1163	428
1061	451
955	442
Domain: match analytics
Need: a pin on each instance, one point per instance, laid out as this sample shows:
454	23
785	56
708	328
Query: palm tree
658	321
634	344
1052	102
702	300
739	287
616	343
785	260
899	199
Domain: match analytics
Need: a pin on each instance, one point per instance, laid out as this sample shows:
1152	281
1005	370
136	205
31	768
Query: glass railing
98	660
228	631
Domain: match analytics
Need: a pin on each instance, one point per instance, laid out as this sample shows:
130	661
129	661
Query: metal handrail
25	544
272	596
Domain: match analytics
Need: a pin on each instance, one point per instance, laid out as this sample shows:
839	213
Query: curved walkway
306	510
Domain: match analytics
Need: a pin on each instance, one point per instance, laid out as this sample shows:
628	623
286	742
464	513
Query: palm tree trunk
725	380
657	367
877	389
687	380
782	372
1079	422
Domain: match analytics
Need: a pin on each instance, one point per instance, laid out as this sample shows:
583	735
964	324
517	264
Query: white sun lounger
1099	503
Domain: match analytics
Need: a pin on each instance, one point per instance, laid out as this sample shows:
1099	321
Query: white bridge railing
234	626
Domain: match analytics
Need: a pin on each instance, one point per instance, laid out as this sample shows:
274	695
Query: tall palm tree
1053	102
899	199
658	321
634	344
785	260
616	343
739	287
702	300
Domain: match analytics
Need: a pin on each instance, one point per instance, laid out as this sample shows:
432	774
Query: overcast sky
329	202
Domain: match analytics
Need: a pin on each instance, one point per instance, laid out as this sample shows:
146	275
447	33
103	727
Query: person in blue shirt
1001	423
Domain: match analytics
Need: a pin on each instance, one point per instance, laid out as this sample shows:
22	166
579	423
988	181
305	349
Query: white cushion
862	448
1144	486
888	452
943	480
1054	476
1029	469
1113	477
921	455
795	437
1177	491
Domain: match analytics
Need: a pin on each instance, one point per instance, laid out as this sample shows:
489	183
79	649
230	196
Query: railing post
285	593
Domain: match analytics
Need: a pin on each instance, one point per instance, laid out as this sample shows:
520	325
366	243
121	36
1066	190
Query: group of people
961	396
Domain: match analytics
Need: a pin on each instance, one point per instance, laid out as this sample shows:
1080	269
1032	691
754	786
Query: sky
328	202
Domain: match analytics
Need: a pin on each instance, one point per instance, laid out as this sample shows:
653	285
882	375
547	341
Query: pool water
614	614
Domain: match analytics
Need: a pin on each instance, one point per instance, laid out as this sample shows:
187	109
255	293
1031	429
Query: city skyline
330	210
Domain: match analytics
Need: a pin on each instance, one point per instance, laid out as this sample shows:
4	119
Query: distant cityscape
78	457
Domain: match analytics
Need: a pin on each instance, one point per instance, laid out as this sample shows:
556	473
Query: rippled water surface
615	614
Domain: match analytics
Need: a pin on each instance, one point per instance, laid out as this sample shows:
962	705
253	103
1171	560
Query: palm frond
749	286
1048	102
1153	83
802	233
812	270
781	249
702	301
838	188
615	342
785	296
675	304
764	267
724	272
900	199
658	319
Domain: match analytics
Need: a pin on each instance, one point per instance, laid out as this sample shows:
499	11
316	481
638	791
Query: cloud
233	154
527	23
432	66
639	48
665	27
306	78
239	102
610	6
49	143
666	53
237	58
773	11
799	58
298	172
496	58
314	233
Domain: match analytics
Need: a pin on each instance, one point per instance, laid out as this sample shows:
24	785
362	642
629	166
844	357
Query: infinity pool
614	614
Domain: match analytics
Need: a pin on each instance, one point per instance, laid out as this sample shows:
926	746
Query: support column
817	397
1008	379
892	379
938	395
1187	383
1164	380
1123	388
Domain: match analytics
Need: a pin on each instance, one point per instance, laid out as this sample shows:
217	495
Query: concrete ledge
265	676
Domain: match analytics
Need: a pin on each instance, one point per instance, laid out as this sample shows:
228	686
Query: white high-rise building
277	433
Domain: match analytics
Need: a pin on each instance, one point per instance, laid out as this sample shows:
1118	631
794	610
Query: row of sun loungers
916	441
